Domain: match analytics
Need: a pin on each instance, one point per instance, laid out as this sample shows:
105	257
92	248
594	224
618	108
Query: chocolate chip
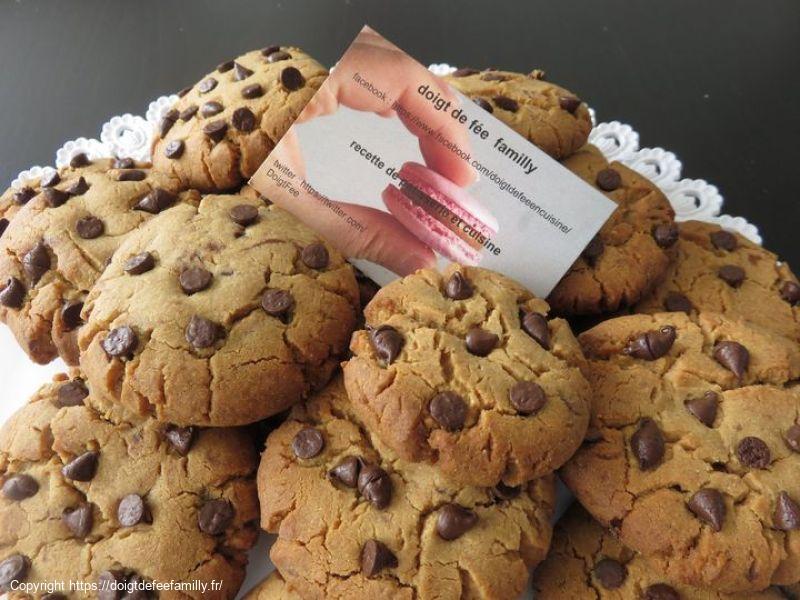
647	444
131	175
184	91
753	452
36	262
535	325
708	505
180	438
610	573
215	130
190	111
82	467
243	119
787	513
277	303
71	315
139	263
110	584
267	50
569	103
458	287
790	291
79	520
243	214
194	280
79	160
19	487
527	397
132	510
215	516
366	289
454	521
278	56
292	79
156	201
164	125
24	195
793	437
449	410
651	345
3	226
375	557
124	163
13	569
677	302
226	66
347	471
661	591
202	333
13	293
490	76
733	275
54	596
733	356
506	103
72	393
78	188
724	240
241	72
211	109
464	72
174	149
375	485
665	235
506	492
90	228
387	343
484	104
207	85
252	91
608	180
315	256
51	179
481	342
704	408
120	342
308	443
54	198
594	250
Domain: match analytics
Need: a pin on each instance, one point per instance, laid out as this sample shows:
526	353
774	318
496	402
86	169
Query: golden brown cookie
551	117
87	500
722	271
221	129
694	447
463	369
272	588
354	520
219	314
586	562
64	232
631	252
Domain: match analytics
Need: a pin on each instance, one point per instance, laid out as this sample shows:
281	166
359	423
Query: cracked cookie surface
694	447
85	499
549	116
220	314
220	131
58	243
586	562
355	521
480	382
631	252
721	271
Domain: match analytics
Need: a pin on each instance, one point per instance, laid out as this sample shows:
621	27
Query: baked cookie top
552	118
586	562
65	230
272	588
630	253
221	129
356	521
84	499
463	369
722	271
693	450
218	314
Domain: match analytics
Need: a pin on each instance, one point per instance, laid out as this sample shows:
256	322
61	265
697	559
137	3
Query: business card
400	172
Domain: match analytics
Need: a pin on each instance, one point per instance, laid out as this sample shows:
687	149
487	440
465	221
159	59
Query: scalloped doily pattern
131	136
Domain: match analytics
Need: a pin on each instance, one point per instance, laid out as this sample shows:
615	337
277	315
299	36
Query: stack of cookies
413	433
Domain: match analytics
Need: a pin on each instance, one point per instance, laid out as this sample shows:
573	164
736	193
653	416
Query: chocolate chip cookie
465	370
551	117
87	500
219	314
354	520
721	271
586	562
693	450
67	227
222	128
272	588
631	252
